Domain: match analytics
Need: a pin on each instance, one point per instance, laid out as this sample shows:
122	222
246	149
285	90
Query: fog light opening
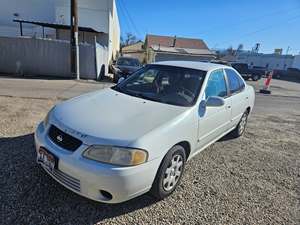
106	195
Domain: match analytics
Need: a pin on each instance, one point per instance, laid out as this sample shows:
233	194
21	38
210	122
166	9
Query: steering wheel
188	92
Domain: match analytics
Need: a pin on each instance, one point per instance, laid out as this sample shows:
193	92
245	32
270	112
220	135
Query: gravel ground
251	180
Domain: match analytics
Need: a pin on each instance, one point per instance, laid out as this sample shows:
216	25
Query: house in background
165	48
135	50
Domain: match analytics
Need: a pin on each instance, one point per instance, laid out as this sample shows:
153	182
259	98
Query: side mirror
214	101
121	79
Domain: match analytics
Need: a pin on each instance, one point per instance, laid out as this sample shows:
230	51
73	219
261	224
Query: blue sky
220	23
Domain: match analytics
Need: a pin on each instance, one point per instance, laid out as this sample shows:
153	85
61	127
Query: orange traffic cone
266	88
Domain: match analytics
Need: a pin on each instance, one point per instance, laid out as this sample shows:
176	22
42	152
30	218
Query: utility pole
285	57
287	50
74	40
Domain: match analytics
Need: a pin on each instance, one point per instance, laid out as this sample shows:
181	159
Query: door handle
229	106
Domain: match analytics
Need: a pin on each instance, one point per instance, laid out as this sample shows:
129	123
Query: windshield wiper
117	88
135	94
141	95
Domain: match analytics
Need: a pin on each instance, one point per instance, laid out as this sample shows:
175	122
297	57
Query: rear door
238	96
214	121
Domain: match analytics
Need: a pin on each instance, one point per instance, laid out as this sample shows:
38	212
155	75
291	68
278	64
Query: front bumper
88	178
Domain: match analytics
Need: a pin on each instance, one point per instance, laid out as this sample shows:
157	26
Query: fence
43	57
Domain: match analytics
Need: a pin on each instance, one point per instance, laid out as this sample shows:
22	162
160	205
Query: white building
99	16
268	61
35	10
296	63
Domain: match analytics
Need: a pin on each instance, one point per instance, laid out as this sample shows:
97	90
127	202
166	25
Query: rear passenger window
216	85
235	83
242	83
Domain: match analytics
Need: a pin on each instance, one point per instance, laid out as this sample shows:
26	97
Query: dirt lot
251	180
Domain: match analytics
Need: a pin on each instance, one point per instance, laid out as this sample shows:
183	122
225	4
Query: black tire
160	190
102	73
239	131
115	78
255	77
246	78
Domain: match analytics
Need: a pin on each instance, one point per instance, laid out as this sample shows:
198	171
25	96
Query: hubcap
173	172
242	124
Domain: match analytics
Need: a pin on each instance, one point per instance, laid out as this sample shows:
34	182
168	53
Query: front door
214	121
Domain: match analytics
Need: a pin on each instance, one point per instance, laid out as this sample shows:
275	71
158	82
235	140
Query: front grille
63	139
65	179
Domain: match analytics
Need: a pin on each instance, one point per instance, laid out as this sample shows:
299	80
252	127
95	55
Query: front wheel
115	78
102	73
169	173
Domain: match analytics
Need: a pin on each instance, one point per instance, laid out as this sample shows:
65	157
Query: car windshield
166	84
127	62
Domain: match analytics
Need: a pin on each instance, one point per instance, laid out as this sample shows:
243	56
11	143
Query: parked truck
243	68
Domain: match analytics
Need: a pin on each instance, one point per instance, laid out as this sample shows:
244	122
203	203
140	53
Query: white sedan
115	144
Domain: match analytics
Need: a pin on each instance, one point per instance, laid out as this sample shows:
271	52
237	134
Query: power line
137	32
262	29
250	19
125	20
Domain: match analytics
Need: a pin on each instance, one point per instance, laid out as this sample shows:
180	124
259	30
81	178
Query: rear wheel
169	173
240	128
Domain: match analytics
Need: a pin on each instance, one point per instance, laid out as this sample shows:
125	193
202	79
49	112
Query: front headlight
46	120
116	155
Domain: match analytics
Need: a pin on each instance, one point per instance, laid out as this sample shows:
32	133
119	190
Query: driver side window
216	85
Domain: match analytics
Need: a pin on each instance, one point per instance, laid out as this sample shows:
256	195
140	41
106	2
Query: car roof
127	57
205	66
235	63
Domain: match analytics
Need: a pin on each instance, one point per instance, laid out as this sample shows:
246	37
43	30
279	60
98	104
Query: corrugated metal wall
101	59
31	56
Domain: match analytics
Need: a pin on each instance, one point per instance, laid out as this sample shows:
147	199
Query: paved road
280	100
279	87
64	89
47	89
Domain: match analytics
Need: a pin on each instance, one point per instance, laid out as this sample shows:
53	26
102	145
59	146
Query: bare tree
240	47
129	39
230	50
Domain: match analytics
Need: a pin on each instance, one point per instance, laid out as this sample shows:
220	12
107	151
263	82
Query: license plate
47	159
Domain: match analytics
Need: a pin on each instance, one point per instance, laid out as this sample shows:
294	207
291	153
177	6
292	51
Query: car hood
111	117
